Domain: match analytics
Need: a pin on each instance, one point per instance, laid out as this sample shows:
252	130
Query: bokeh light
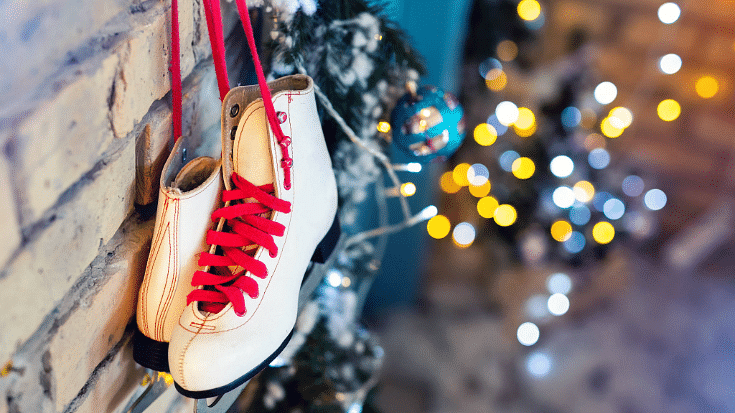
438	227
486	206
561	166
609	129
670	63
446	182
621	117
603	232
528	334
523	168
507	50
558	304
384	126
561	230
525	133
563	197
589	118
599	158
668	110
538	364
463	234
559	283
485	134
580	214
492	120
505	215
496	80
613	209
460	174
633	185
529	10
594	141
575	243
536	308
414	167
571	117
506	160
584	191
479	191
707	87
669	13
507	113
487	65
526	119
599	200
605	93
408	189
477	174
655	199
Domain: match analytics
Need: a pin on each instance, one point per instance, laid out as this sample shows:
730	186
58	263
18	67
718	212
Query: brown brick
64	138
114	385
57	255
8	217
99	322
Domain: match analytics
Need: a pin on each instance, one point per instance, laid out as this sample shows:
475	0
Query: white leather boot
243	315
190	192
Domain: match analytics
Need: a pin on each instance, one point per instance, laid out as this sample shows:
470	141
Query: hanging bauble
427	123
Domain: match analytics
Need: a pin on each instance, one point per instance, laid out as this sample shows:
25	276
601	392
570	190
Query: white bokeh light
559	283
536	307
605	93
538	364
562	166
655	199
507	113
563	197
669	13
478	174
558	304
334	278
464	233
670	63
528	334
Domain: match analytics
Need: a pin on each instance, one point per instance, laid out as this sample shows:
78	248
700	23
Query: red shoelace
245	226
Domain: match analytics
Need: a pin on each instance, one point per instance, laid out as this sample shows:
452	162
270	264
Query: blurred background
580	260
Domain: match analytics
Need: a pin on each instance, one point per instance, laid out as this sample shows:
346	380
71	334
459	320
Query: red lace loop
245	227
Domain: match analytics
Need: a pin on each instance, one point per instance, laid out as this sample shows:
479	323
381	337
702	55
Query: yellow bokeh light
561	230
496	79
668	110
707	86
594	141
425	113
507	50
485	134
486	206
609	130
447	183
505	215
479	191
525	133
529	10
603	232
384	126
584	191
408	189
460	174
523	168
526	119
621	117
438	227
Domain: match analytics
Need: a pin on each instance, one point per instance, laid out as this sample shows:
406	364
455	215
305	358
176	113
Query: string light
669	13
523	168
561	230
447	183
603	232
486	206
384	126
485	134
670	63
706	87
668	110
438	227
408	189
505	215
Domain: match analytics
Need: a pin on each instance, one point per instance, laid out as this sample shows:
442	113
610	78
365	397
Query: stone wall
85	127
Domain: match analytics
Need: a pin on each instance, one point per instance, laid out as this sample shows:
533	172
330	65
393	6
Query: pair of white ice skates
219	297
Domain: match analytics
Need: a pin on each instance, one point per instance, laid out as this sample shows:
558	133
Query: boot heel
326	246
150	353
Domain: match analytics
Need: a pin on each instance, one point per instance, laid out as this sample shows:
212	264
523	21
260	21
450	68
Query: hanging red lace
246	226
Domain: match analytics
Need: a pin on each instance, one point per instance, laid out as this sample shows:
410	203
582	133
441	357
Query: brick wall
85	127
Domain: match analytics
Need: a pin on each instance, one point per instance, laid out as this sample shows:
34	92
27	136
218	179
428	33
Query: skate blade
155	383
219	404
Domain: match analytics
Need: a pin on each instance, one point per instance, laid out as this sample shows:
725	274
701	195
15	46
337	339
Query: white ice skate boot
281	202
190	192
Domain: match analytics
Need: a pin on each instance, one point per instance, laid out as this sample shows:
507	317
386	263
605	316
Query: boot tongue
252	157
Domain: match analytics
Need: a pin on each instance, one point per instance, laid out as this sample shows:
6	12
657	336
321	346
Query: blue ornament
428	123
